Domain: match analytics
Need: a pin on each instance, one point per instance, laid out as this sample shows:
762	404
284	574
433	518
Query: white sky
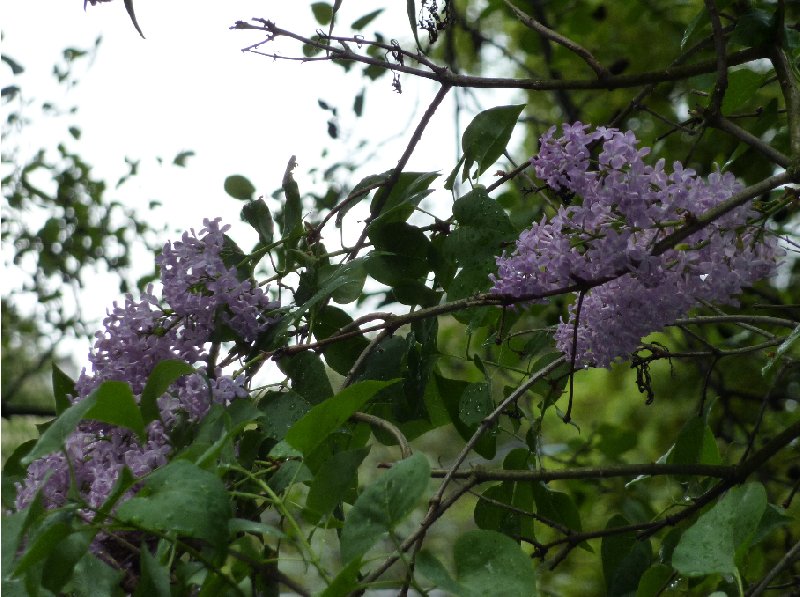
188	87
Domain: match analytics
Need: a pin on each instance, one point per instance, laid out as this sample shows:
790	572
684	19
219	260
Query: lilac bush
200	293
605	241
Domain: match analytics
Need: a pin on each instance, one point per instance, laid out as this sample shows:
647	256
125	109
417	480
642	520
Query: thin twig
721	85
573	357
586	55
762	586
624	470
508	176
439	503
446	77
383	195
368	350
739	199
737	319
394	431
721	123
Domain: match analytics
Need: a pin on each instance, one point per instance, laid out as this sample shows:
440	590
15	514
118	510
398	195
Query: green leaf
13	526
383	505
477	209
256	213
695	445
405	195
112	402
493	517
486	137
239	187
347	280
115	404
183	498
340	279
125	480
774	517
411	11
358	104
625	558
400	255
365	20
415	293
163	375
476	402
63	386
324	418
386	362
616	440
340	356
153	578
180	158
654	581
323	12
709	546
95	578
431	568
243	525
782	349
55	530
333	481
281	411
754	28
450	181
487	560
483	230
60	565
233	256
308	376
292	215
696	24
448	392
367	181
742	86
288	474
556	506
345	582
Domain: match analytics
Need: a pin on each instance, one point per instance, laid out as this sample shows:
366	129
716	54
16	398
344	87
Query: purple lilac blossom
627	206
197	287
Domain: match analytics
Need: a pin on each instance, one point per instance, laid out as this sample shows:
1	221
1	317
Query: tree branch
624	470
721	85
445	77
721	123
788	82
373	421
788	559
720	210
574	47
383	195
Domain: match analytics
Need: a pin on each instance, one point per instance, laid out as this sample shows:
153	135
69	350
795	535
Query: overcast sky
189	87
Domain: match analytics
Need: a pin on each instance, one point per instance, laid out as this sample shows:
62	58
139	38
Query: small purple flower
627	206
136	336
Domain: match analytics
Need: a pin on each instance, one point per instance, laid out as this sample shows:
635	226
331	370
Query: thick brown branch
787	79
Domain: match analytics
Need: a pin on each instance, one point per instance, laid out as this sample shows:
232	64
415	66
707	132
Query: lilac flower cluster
200	292
627	206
